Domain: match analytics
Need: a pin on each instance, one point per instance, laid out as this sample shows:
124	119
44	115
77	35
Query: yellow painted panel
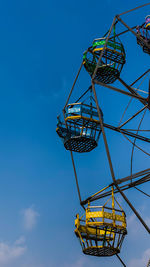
81	117
91	231
94	214
105	215
148	25
111	50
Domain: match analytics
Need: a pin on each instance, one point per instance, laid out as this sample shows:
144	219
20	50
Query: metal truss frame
136	179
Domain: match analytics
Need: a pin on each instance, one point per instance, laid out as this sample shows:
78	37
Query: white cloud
10	252
131	220
30	218
134	225
147	220
20	241
81	262
141	262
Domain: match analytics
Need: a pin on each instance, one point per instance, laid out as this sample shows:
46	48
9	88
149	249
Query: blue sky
41	50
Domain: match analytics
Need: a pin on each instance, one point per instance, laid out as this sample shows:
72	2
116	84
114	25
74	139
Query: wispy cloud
20	241
134	225
79	263
142	261
147	220
10	252
30	217
82	261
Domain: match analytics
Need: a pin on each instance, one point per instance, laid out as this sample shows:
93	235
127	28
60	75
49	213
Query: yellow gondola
101	230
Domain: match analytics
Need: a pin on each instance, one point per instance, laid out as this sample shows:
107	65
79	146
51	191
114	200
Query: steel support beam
111	166
73	85
130	29
75	173
100	57
123	188
117	129
137	113
132	90
133	9
141	76
134	95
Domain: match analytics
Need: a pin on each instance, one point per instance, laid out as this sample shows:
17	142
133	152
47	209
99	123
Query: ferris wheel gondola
101	230
143	32
80	130
112	61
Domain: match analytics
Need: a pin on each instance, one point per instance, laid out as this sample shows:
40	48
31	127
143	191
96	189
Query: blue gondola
81	130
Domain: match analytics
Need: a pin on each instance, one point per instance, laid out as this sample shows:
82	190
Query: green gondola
112	61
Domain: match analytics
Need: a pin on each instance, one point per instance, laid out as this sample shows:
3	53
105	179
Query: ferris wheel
102	228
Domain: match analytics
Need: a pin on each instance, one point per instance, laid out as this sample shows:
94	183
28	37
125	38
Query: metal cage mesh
81	130
144	42
106	241
101	230
112	61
